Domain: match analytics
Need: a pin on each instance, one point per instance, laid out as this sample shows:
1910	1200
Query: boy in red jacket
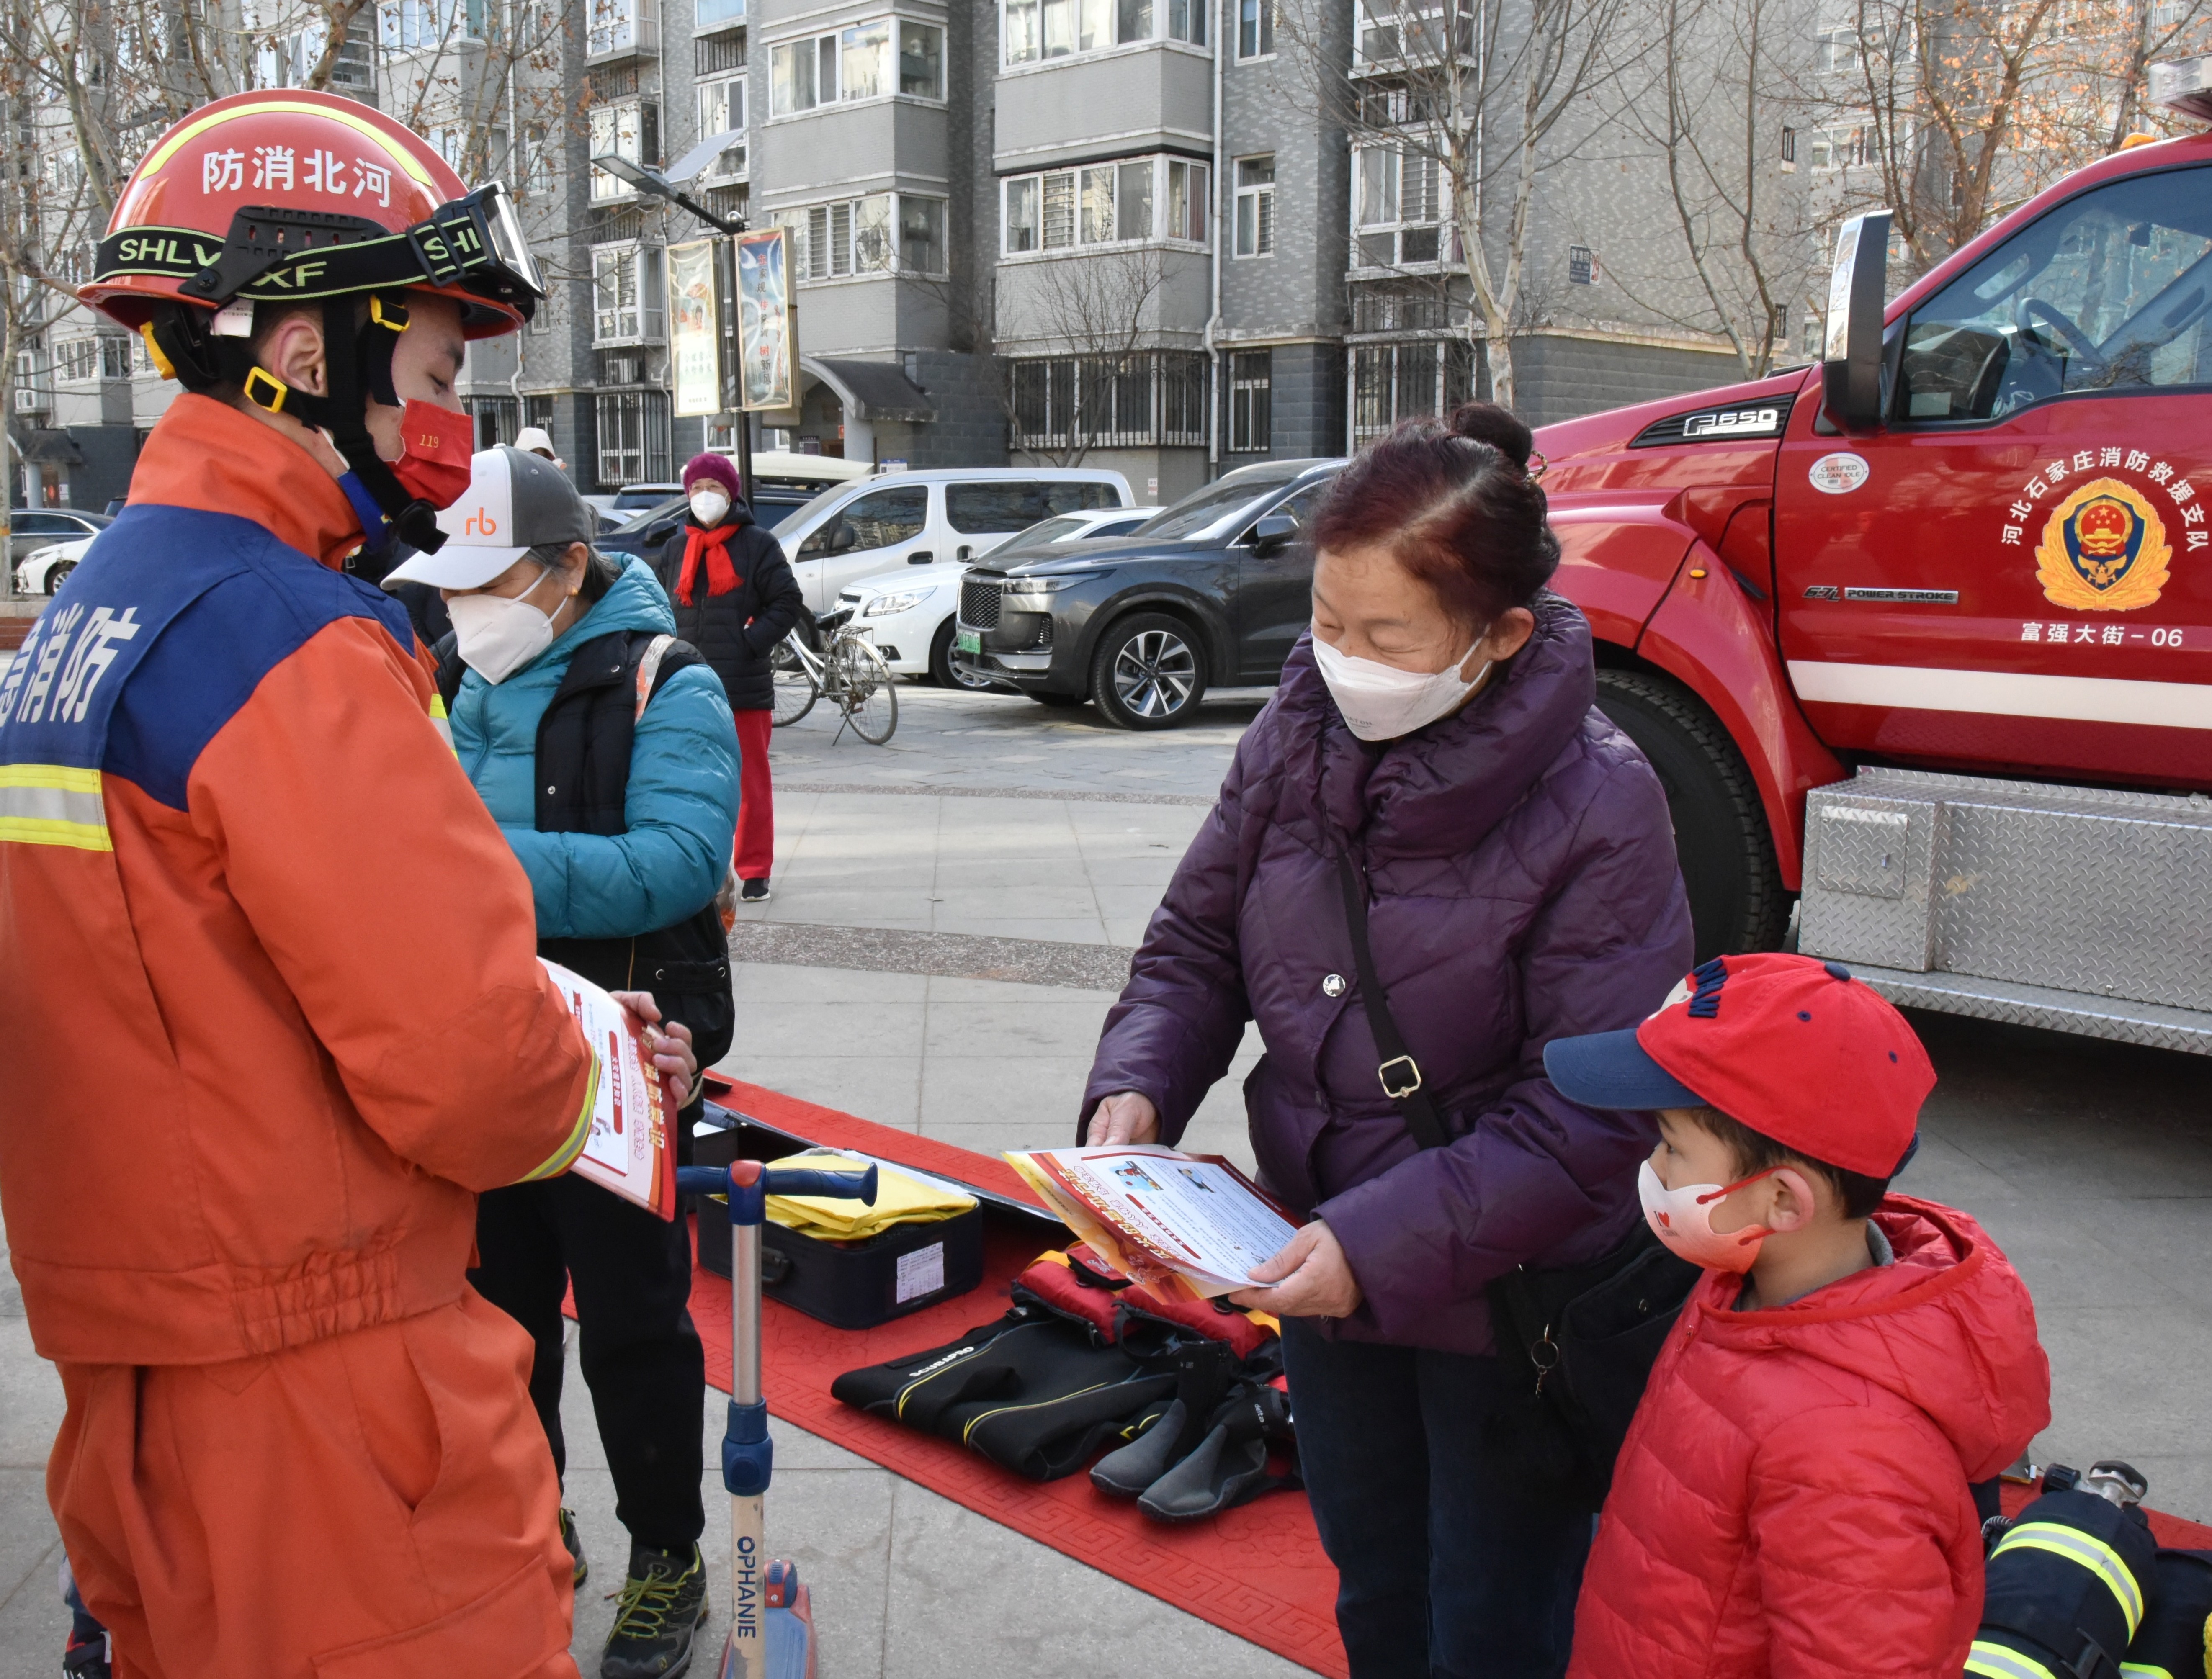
1793	1499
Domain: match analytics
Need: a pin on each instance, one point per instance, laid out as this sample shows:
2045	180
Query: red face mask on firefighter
434	453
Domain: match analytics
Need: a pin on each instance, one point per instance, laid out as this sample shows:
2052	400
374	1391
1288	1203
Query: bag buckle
1382	1072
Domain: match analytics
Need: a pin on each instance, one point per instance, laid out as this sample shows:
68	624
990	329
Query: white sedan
42	572
909	613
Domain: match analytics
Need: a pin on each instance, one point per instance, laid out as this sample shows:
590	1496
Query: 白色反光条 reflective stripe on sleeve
53	805
565	1156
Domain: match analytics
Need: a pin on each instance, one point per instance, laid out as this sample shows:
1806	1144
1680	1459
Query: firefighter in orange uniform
269	1010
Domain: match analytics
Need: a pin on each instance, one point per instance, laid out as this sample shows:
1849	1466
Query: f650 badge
2104	549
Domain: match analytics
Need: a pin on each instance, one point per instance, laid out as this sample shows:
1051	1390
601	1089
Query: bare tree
1721	100
1972	107
1474	99
1096	314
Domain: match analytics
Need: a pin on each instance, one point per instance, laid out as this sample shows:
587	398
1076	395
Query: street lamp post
667	186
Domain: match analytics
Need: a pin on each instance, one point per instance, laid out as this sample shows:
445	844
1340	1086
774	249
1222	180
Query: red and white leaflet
1193	1221
628	1148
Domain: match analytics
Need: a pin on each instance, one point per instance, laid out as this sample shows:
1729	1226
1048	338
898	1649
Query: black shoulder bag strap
1401	1075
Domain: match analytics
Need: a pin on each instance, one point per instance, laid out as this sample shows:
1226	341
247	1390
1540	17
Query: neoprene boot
1203	1370
1229	1465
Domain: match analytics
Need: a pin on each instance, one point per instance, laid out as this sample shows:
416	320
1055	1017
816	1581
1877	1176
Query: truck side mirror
1851	362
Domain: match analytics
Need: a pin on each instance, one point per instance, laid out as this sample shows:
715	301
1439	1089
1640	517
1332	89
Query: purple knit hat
718	469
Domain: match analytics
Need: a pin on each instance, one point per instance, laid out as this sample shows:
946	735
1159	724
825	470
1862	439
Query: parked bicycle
849	671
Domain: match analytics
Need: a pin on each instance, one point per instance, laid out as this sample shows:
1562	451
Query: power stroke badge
2104	545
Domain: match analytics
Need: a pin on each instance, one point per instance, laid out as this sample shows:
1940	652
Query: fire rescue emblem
2104	549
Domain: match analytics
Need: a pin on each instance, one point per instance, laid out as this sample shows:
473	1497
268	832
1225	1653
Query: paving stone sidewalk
953	916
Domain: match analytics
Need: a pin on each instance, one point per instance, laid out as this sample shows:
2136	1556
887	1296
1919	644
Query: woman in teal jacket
633	855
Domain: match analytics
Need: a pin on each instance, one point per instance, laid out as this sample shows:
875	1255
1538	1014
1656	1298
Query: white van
940	514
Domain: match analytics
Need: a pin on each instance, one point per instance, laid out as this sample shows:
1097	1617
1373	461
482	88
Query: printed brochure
628	1149
1191	1225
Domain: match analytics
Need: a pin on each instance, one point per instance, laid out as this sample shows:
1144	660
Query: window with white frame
717	14
723	110
634	437
77	359
627	129
620	25
1251	382
541	159
1122	202
627	305
875	234
1255	28
1836	51
115	357
1835	147
1398	207
1389	31
405	26
1255	206
856	63
1036	30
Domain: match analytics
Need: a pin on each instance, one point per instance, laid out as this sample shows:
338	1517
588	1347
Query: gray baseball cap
515	500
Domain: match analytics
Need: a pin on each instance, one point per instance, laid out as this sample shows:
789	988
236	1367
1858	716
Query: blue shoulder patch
161	635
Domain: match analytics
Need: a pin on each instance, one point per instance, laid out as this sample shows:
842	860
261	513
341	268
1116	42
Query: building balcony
714	15
622	29
1123	102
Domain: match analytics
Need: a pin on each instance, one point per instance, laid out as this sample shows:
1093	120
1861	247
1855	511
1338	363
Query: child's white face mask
1683	1220
1381	702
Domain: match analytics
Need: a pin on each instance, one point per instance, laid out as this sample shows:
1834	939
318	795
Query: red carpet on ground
1258	1573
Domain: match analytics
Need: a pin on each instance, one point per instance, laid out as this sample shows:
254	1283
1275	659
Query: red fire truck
1922	635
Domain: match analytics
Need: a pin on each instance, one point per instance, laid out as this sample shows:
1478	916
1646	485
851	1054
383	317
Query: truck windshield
2110	290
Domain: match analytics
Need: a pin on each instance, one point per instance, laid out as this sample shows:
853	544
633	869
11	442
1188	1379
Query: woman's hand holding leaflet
670	1049
1310	1278
1123	1116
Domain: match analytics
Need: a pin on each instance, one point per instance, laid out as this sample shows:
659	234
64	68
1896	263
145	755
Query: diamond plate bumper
2088	910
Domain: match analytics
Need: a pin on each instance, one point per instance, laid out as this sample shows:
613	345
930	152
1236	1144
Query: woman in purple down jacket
1437	728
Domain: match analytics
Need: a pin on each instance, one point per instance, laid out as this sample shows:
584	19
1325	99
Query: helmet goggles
275	254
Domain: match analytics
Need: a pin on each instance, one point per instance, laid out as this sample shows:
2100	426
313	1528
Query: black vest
584	739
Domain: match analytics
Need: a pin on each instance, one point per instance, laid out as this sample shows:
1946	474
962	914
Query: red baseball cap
1792	1046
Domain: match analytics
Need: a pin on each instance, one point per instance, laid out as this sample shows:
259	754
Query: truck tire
1737	900
1149	672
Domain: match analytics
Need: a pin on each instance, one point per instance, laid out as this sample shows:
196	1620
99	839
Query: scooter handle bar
749	1184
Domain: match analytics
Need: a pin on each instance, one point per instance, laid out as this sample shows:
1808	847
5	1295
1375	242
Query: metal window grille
499	419
1139	400
634	437
1409	381
713	54
1251	379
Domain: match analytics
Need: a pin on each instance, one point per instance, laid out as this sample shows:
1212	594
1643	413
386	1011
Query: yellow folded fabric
899	1200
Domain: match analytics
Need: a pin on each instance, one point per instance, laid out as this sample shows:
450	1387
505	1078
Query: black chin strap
200	361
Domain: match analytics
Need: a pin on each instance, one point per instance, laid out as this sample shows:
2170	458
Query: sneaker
88	1654
755	892
575	1541
664	1602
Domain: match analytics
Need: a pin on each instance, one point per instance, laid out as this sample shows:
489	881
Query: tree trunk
1499	354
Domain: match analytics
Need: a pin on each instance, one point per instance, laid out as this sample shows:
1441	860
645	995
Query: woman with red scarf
735	598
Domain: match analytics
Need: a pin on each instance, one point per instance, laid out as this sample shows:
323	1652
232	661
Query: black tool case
848	1285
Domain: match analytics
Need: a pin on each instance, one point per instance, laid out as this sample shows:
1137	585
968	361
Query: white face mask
498	634
708	506
1381	702
1683	1219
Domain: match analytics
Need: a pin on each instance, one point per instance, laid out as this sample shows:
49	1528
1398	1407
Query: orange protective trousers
376	1504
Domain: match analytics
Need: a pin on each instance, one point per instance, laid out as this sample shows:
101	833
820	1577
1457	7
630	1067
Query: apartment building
1125	232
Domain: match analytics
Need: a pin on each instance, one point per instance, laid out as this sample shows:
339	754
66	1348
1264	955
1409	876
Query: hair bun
1500	428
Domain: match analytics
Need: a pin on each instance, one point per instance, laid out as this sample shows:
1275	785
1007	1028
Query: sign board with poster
765	350
695	334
